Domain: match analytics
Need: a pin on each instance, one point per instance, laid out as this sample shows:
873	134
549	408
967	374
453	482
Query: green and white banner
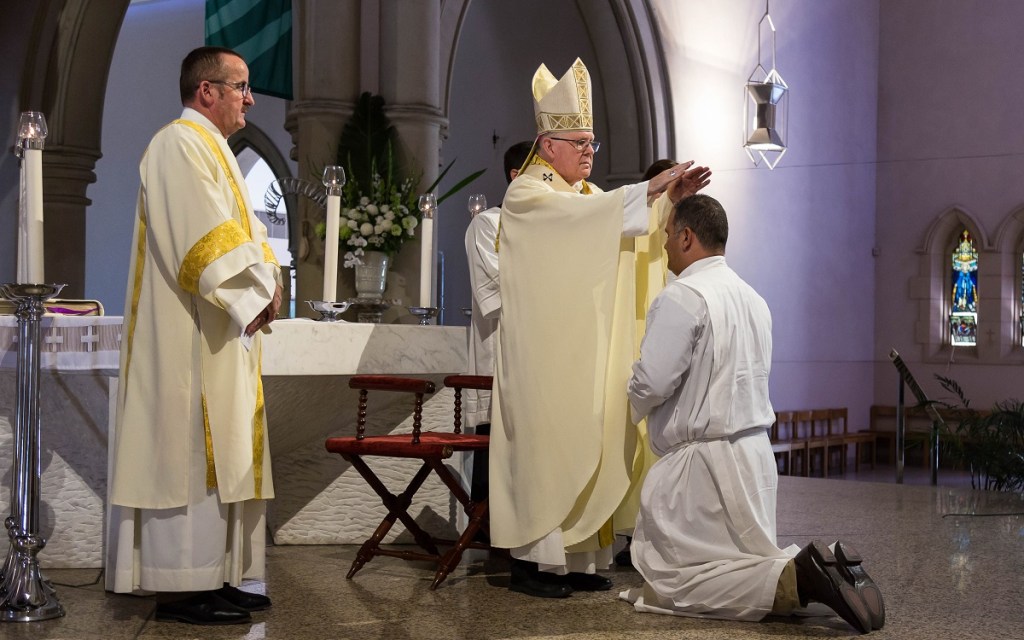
261	32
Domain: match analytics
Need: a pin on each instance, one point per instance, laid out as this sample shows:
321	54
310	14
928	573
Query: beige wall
949	153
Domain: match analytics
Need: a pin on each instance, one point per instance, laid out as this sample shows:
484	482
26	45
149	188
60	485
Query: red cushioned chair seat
431	444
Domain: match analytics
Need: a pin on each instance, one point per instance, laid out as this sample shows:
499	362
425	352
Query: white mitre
563	105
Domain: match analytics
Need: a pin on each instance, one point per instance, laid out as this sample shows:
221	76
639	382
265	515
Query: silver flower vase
372	275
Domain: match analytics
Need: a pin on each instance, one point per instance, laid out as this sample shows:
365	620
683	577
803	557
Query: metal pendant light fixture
765	105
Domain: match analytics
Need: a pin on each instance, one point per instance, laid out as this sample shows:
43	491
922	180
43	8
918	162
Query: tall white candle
22	271
331	248
334	180
32	132
30	264
427	262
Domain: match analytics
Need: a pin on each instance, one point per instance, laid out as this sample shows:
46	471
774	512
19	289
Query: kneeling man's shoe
203	608
850	564
243	599
527	579
623	558
586	581
818	579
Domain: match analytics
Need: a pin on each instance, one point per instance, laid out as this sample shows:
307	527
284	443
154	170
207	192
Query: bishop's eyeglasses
581	145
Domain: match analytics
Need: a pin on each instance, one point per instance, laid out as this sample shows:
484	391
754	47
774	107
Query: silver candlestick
24	595
423	313
329	311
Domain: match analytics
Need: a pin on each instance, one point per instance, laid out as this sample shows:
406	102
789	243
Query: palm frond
366	141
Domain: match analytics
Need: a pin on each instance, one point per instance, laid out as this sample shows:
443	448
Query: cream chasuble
651	275
201	271
563	448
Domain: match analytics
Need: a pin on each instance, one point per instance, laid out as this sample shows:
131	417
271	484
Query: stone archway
65	48
488	54
637	96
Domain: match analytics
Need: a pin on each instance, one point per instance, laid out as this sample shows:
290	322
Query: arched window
1020	310
963	304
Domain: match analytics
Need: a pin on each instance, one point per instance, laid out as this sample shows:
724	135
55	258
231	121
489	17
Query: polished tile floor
949	560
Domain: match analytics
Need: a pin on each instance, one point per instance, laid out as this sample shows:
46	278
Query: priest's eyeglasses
581	145
240	86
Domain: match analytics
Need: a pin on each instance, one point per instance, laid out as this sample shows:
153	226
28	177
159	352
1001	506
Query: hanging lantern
765	106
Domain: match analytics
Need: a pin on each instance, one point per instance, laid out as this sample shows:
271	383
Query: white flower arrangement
381	221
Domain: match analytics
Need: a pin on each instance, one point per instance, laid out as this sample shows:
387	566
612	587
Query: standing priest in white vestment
562	451
191	463
705	535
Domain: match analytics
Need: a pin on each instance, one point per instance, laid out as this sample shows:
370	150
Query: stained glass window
963	316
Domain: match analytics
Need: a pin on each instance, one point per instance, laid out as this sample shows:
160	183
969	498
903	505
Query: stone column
387	47
327	33
411	81
67	172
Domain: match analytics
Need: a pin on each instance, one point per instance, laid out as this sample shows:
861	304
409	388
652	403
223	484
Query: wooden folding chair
432	447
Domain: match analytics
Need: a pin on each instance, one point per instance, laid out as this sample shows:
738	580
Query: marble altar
306	365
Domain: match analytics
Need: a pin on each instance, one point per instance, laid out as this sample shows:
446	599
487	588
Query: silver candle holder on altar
24	595
329	311
424	314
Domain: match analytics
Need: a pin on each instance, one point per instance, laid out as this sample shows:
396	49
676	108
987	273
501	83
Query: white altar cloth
68	343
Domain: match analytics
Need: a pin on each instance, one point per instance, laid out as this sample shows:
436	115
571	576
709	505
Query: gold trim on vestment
211	468
222	161
258	426
140	258
582	76
268	255
536	159
606	535
552	122
221	240
584	190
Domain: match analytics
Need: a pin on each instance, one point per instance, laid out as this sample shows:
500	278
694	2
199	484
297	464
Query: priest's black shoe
818	578
243	599
539	584
203	608
586	581
850	564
